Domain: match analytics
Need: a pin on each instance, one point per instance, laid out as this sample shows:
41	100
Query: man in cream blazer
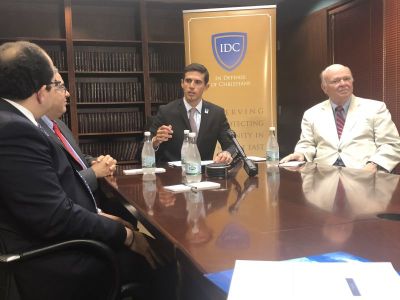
369	138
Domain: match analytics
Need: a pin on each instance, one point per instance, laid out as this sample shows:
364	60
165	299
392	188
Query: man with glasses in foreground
346	130
89	167
195	114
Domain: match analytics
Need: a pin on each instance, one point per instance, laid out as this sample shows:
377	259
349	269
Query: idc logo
229	49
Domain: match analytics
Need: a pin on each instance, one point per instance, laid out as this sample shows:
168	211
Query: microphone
250	168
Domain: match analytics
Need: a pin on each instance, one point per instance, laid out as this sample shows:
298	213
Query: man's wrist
156	144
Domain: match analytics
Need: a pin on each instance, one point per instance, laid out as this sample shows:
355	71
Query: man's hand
119	220
294	156
223	157
141	246
371	167
104	166
164	133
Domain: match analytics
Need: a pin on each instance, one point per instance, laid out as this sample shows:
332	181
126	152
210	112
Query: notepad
259	280
292	163
178	163
140	171
199	186
256	158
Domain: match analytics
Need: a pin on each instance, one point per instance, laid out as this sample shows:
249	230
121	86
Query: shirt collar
47	121
26	112
345	105
188	106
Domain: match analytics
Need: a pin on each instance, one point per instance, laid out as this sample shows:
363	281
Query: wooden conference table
278	215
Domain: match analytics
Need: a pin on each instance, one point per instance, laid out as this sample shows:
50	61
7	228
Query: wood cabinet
119	59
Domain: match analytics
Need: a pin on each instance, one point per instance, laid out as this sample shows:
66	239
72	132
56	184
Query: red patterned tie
67	146
339	116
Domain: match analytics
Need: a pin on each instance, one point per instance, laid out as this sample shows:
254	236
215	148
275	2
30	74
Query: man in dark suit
42	197
89	168
192	112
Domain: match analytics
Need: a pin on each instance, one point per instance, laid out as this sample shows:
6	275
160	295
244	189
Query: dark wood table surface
278	215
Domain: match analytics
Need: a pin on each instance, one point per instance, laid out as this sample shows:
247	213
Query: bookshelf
119	59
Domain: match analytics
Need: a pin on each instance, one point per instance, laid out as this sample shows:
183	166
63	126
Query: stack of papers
302	280
256	158
178	163
199	186
292	163
140	171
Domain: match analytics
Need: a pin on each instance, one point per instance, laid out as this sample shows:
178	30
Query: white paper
256	158
204	185
277	280
178	163
140	171
292	163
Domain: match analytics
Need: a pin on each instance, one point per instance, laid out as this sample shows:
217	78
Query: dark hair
24	69
194	67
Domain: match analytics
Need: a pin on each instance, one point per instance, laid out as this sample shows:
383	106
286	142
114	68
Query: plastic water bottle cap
192	134
147	133
186	131
272	128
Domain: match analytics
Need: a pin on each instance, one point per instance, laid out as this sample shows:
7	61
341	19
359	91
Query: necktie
339	116
192	121
67	146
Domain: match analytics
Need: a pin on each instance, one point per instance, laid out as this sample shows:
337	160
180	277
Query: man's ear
323	87
41	94
207	86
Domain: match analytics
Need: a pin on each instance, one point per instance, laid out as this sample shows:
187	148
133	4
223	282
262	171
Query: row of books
103	92
124	150
163	91
165	61
66	119
97	122
107	59
57	55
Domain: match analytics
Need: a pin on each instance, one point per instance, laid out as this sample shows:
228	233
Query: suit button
340	150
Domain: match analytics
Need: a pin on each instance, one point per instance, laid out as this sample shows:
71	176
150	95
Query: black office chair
8	288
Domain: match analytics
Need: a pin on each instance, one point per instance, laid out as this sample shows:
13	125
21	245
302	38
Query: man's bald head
24	69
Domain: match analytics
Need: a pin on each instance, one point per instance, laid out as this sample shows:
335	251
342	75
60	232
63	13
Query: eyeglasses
59	85
338	80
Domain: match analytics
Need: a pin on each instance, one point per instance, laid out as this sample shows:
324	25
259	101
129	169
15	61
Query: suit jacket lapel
205	110
351	118
327	115
183	113
66	133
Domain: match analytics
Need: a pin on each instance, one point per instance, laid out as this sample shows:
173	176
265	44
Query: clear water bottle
148	155
193	161
272	148
184	148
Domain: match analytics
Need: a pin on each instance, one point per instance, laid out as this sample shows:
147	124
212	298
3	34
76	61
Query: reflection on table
280	214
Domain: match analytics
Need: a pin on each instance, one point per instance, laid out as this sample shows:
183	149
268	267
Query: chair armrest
98	247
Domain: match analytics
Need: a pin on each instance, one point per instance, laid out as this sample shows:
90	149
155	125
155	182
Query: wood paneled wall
391	82
301	57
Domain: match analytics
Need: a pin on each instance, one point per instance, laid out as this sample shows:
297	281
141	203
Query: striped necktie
340	119
192	121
